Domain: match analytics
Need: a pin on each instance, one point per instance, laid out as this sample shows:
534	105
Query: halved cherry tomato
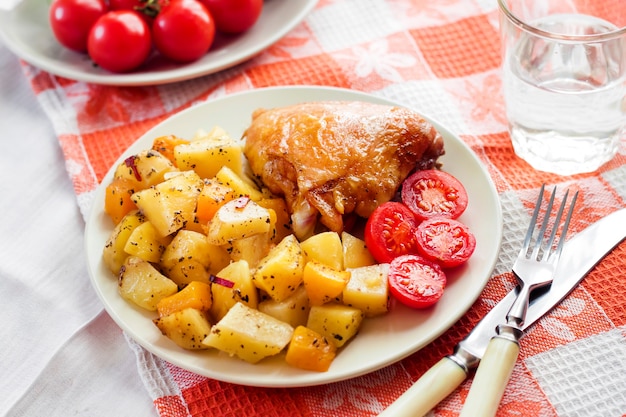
390	231
430	193
119	41
234	16
445	241
415	281
71	21
183	30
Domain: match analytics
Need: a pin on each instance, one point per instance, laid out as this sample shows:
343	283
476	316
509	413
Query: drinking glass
564	81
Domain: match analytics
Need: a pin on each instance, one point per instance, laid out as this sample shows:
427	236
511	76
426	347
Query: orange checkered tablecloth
441	57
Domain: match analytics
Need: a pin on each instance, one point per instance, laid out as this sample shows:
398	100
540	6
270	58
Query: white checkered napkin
429	98
585	378
341	25
617	179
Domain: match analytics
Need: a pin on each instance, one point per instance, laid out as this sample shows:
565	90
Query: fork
534	267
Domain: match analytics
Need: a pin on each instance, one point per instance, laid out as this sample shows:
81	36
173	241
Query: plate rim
162	351
182	72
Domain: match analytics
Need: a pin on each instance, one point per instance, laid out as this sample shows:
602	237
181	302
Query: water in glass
565	100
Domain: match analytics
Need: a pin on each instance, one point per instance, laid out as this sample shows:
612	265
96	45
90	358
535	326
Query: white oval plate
26	31
381	341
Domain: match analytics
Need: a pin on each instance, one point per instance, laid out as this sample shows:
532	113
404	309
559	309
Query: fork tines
544	248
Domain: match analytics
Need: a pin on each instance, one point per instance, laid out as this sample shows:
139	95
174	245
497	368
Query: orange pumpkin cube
323	283
117	201
195	295
309	350
213	196
165	146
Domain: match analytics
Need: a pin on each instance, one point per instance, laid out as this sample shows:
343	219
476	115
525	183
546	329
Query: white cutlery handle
491	378
435	385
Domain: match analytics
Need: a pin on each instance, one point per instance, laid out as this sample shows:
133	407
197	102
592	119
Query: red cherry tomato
148	9
71	21
120	41
415	281
445	241
183	30
126	4
390	231
234	16
430	193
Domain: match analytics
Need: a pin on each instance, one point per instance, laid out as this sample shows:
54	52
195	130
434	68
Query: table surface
61	354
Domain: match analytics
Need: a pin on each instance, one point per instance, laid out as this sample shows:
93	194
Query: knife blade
580	255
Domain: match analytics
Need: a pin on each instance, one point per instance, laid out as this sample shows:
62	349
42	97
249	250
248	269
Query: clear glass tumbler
564	76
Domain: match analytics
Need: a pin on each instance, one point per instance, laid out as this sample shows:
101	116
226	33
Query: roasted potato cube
238	219
310	350
206	156
171	204
250	249
282	225
113	254
242	186
243	290
146	243
249	334
368	290
323	283
337	322
279	274
325	248
187	328
188	270
216	132
145	169
188	244
355	253
189	257
293	310
140	283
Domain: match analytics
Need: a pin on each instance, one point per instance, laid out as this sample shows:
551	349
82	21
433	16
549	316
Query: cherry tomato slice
431	192
390	231
415	281
445	241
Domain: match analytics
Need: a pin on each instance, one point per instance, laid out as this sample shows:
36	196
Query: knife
580	254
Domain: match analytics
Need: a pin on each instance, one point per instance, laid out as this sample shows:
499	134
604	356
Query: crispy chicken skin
334	158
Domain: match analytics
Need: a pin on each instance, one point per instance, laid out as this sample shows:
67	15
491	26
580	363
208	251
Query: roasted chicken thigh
333	158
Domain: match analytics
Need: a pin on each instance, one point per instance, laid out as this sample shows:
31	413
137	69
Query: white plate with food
382	340
25	29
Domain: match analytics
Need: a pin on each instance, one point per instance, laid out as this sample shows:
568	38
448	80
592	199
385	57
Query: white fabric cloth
60	354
